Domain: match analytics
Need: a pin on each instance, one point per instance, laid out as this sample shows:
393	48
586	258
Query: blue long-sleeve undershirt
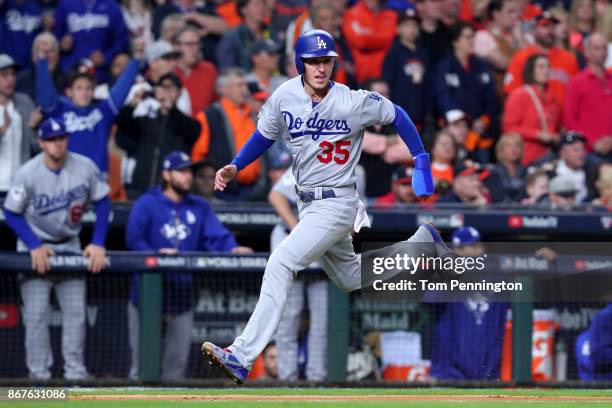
407	131
18	223
102	210
252	150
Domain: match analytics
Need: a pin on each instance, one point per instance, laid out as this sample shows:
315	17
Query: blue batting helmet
314	44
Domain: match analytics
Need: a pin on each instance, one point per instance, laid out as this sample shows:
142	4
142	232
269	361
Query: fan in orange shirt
369	29
563	64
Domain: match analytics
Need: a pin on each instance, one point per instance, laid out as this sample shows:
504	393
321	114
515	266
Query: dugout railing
222	273
216	275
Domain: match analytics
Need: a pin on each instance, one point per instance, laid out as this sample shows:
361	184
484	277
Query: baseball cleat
225	360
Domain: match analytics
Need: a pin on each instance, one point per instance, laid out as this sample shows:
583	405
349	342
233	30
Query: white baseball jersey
326	139
54	202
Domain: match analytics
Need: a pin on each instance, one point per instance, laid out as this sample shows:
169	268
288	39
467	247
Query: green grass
313	404
534	392
314	392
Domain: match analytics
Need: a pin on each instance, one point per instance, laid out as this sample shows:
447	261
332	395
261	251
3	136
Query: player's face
318	71
55	148
81	92
180	180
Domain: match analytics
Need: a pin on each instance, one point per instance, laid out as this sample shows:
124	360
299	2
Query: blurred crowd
512	97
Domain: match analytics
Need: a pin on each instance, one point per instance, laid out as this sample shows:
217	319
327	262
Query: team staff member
47	198
169	220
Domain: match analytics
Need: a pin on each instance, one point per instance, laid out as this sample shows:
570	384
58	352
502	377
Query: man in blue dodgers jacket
169	220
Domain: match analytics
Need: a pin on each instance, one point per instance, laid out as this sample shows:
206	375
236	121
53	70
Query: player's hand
225	175
242	250
168	251
40	259
97	257
422	179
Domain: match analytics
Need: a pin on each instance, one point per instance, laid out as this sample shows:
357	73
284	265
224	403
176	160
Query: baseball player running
44	205
322	122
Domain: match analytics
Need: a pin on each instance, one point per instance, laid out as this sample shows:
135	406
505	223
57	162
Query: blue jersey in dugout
468	340
20	22
157	222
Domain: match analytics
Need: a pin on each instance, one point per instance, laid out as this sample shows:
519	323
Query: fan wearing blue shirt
20	22
92	29
88	121
168	220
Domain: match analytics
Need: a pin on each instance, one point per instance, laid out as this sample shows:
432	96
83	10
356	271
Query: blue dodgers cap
51	128
177	160
466	235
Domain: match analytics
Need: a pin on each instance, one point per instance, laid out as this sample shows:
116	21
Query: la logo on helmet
321	43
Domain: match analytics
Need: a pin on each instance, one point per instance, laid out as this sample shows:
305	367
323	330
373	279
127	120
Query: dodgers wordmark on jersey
54	202
325	140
